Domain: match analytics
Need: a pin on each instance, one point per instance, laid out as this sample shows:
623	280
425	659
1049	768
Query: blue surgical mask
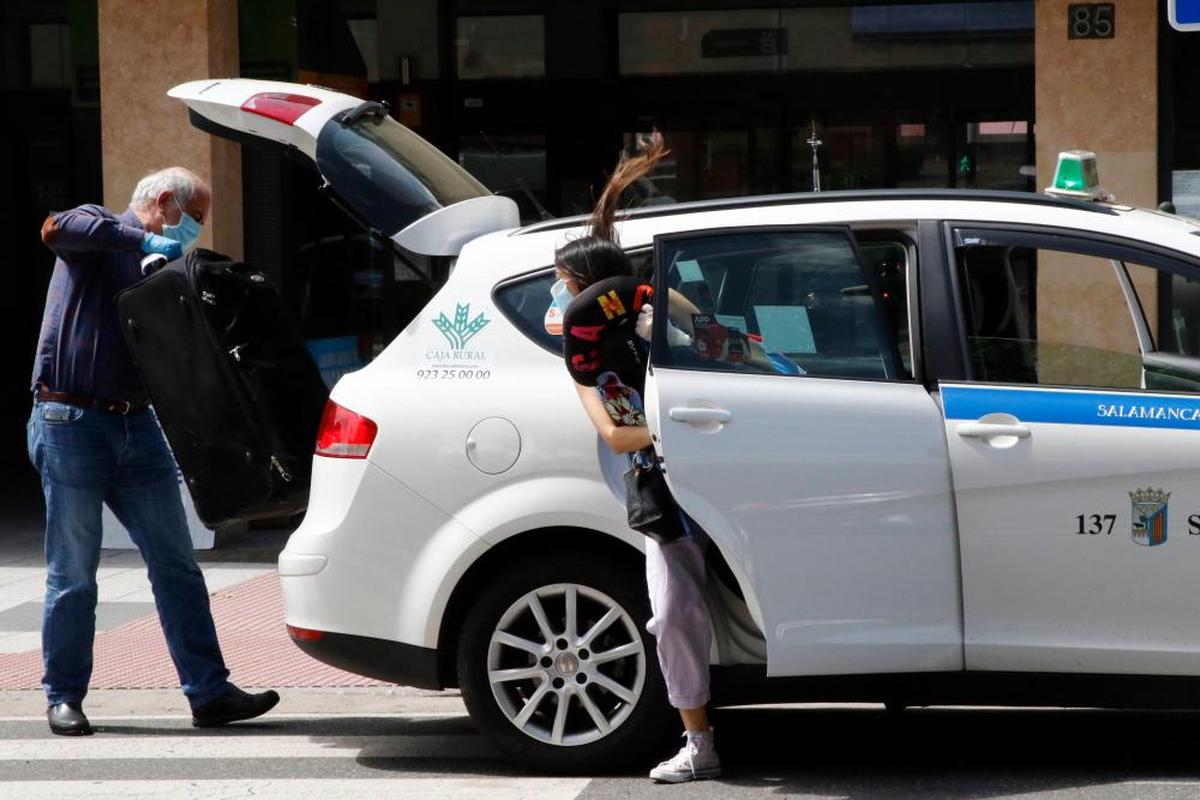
560	298
186	232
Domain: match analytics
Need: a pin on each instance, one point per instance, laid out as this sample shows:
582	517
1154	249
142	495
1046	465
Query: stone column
1099	95
146	47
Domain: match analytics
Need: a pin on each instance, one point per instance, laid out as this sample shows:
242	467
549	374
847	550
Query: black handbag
651	508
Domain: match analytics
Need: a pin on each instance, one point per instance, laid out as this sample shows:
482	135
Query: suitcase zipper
278	467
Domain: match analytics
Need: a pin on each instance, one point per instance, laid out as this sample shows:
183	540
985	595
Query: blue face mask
561	298
186	232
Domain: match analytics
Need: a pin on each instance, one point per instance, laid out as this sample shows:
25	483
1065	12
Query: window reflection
906	151
501	47
996	155
511	165
709	164
827	38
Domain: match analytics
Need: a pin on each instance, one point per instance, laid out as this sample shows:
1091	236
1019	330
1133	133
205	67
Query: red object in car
343	433
280	106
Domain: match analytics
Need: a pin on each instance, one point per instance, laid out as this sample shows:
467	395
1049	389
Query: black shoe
68	719
232	706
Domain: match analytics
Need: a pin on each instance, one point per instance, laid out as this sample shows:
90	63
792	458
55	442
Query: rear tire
556	667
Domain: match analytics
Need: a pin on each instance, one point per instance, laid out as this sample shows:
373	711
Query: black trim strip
743	684
381	659
943	335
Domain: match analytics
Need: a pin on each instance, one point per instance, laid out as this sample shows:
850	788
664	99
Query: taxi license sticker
1148	519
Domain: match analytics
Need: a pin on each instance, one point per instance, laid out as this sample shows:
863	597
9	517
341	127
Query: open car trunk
234	387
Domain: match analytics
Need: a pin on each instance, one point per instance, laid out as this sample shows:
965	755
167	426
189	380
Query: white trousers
679	621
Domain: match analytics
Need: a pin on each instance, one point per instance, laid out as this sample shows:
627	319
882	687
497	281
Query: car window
1045	316
524	301
1174	296
887	261
790	302
388	174
1168	307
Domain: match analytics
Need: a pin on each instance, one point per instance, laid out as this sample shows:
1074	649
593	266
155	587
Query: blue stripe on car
1069	407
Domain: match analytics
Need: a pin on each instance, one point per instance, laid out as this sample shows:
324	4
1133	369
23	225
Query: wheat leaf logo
463	328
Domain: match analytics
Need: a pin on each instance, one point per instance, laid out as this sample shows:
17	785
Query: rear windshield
389	174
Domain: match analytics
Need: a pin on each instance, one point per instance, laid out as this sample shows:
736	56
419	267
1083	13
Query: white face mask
561	298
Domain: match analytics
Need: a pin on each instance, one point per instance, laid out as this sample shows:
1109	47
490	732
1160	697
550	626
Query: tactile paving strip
249	618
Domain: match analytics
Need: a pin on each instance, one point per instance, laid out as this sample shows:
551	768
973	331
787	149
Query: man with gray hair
94	440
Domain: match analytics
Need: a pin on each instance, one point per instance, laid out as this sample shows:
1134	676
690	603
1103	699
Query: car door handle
986	430
699	414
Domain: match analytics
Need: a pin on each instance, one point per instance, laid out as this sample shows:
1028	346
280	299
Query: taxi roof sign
1076	176
1184	15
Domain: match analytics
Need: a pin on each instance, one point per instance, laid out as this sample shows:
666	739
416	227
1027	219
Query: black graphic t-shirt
599	333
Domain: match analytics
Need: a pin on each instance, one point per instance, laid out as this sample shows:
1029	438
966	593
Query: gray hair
182	183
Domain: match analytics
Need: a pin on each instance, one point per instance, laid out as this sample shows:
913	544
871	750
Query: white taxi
982	486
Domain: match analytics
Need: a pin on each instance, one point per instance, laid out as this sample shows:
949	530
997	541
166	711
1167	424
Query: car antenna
542	212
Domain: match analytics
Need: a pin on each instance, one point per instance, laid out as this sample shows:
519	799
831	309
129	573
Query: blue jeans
87	458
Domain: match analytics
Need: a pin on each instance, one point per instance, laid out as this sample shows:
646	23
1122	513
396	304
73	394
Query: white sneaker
696	761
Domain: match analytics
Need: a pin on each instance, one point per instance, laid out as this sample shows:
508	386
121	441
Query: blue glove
153	243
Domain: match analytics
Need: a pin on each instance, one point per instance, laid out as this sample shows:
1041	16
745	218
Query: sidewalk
130	652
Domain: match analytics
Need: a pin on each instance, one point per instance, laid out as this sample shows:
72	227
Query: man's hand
153	243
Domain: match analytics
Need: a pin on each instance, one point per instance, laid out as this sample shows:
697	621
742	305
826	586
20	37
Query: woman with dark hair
603	329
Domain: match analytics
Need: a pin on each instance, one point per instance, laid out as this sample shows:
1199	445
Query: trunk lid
396	183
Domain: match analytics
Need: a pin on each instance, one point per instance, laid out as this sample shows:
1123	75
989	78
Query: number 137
1094	524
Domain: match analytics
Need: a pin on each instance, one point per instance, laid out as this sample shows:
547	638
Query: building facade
536	98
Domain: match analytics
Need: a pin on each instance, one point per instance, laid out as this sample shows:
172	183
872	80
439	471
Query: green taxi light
1076	176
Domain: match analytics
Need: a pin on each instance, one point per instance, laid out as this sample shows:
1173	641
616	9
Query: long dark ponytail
598	254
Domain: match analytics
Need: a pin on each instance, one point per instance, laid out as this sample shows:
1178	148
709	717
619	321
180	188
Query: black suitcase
237	393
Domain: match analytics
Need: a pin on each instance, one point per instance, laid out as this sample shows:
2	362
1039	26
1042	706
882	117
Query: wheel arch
528	543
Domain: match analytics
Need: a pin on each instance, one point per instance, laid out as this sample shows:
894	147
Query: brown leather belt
122	407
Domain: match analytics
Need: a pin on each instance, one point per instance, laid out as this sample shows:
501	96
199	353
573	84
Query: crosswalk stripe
447	788
109	747
275	715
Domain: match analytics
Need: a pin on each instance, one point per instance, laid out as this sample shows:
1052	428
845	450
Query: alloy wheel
566	664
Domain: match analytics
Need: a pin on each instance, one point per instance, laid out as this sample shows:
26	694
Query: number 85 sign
1091	21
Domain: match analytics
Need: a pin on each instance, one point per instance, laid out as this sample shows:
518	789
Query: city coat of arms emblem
1149	516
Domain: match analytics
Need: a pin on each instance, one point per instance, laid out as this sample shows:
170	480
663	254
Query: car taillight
344	434
280	106
304	634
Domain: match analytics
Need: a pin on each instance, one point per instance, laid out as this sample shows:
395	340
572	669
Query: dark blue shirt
80	350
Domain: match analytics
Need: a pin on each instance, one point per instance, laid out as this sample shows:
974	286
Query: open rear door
790	432
393	181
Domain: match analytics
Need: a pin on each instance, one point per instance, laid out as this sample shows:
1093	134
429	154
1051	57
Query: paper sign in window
689	270
785	329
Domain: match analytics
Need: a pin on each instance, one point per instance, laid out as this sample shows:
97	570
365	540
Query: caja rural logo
457	362
462	329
